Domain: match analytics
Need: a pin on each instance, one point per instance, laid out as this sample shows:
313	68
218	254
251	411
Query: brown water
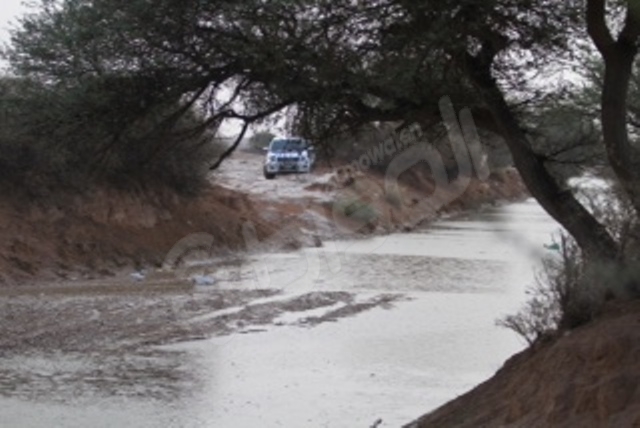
392	362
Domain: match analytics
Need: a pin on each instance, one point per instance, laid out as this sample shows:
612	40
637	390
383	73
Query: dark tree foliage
345	63
261	140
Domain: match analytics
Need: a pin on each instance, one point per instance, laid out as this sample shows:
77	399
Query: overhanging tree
344	63
619	54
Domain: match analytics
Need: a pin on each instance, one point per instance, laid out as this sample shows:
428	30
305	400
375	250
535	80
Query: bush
550	298
260	140
570	290
394	198
356	210
70	137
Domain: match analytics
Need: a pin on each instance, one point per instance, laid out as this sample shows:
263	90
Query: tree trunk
592	237
619	56
618	69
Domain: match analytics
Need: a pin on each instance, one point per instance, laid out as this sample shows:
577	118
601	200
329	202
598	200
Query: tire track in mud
60	347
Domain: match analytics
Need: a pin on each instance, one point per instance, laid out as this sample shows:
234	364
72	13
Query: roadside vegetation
122	94
260	141
571	290
356	210
120	100
95	132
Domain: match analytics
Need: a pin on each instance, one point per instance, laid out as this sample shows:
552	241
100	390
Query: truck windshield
287	145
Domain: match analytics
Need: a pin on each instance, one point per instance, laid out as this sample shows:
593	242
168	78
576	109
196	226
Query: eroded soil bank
96	287
587	378
105	234
366	332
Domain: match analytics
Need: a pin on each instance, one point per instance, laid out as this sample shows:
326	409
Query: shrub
551	296
72	136
394	198
356	210
260	140
570	290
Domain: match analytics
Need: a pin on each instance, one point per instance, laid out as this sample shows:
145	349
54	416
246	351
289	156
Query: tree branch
560	203
233	147
631	30
248	121
597	26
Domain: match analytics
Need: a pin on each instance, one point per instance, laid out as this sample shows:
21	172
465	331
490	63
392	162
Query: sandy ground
314	205
75	336
78	315
108	337
98	317
112	330
340	336
589	377
120	314
102	236
243	172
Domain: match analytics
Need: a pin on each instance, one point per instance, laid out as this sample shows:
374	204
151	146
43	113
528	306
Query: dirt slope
105	233
587	378
96	235
329	189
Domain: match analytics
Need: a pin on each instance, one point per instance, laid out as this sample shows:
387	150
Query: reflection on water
394	365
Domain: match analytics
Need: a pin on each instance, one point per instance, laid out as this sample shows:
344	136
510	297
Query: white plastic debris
202	280
552	247
139	275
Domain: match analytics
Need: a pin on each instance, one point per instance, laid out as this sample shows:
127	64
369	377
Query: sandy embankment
107	234
67	267
589	377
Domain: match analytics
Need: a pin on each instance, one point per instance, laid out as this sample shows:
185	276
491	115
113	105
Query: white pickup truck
288	155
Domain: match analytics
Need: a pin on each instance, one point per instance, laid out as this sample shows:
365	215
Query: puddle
358	331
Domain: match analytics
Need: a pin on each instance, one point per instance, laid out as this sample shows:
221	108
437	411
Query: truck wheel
269	175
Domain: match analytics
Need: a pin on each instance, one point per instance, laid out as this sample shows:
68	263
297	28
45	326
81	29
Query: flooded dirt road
354	334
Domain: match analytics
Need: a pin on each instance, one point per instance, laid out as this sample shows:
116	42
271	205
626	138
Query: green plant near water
356	209
394	198
571	290
550	298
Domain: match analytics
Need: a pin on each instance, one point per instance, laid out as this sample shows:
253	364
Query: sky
9	10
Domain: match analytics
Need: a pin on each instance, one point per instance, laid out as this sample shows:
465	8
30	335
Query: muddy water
433	338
